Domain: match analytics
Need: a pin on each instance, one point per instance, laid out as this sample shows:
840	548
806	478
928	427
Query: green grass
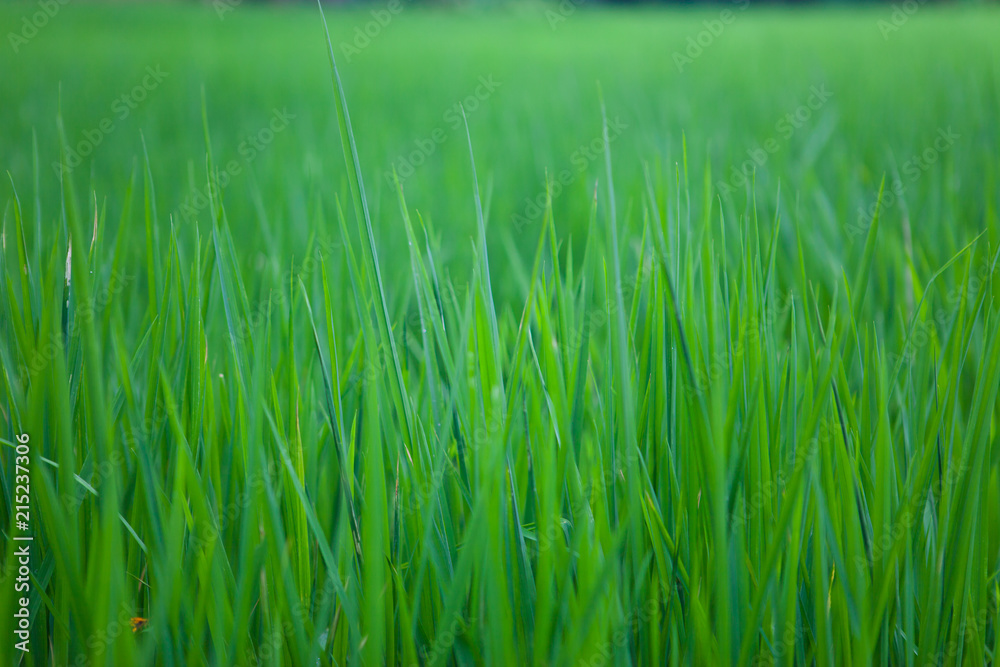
331	415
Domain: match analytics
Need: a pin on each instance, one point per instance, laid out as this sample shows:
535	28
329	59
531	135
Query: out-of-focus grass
936	71
675	415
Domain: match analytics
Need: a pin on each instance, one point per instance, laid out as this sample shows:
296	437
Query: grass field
594	337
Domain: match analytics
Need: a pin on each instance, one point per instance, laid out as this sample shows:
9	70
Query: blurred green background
406	69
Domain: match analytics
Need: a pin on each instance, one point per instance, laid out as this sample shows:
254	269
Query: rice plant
686	418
